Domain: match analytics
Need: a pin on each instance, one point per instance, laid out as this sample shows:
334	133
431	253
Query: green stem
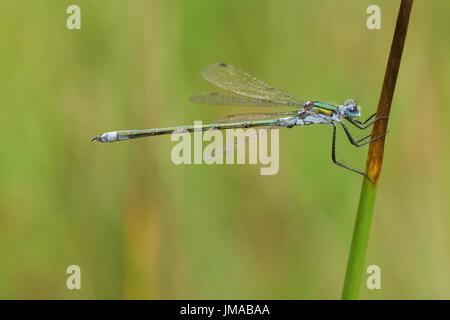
368	195
358	249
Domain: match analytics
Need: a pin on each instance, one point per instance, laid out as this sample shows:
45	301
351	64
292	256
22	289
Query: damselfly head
351	109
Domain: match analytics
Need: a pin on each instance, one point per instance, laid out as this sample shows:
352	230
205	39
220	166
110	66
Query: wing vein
230	78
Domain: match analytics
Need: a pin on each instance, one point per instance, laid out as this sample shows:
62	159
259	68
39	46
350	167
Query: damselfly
250	91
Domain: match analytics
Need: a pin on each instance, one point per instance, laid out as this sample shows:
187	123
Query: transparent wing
239	142
232	79
255	116
229	99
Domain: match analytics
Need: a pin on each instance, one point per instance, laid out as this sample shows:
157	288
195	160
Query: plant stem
374	162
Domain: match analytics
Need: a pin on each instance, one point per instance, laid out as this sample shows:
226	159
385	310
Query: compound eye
353	109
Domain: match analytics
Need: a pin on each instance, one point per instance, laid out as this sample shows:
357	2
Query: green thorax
324	108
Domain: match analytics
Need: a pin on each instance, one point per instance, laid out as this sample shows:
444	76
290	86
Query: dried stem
375	159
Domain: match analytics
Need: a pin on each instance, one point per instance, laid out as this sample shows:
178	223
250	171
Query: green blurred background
140	226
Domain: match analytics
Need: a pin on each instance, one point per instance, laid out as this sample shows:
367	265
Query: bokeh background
140	226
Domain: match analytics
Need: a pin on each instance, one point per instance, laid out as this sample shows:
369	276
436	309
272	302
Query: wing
255	116
229	99
230	78
240	141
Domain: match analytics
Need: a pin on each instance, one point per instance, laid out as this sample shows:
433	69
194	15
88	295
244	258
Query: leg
362	139
357	143
364	122
333	157
356	124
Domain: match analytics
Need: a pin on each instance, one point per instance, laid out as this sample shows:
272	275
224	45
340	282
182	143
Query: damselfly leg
333	157
365	121
360	124
357	143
